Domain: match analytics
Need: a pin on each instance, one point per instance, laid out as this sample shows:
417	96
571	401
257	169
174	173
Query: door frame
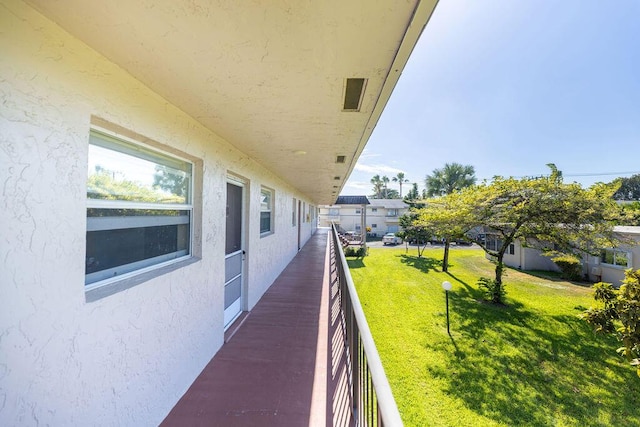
242	183
299	223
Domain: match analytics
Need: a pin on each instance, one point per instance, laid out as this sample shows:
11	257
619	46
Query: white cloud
377	169
352	188
366	154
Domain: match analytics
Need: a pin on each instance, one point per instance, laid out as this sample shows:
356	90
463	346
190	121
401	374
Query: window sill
614	267
265	234
129	282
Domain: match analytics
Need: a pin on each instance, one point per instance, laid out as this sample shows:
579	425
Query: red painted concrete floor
273	370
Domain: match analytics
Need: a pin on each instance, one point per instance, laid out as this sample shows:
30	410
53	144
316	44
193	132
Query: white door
234	253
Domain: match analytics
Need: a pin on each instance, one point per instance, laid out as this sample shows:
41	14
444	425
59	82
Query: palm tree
377	186
400	179
413	193
385	181
451	178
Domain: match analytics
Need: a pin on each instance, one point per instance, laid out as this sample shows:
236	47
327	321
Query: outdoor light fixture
446	285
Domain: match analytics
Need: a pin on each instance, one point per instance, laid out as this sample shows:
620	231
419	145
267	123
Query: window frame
614	252
111	280
294	208
270	209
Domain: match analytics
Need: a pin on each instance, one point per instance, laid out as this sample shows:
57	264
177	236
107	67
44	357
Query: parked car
391	239
352	236
463	242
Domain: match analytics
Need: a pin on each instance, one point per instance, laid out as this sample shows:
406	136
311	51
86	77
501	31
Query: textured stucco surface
127	358
278	66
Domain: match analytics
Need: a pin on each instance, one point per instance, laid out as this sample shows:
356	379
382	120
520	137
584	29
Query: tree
110	185
400	179
392	194
619	314
385	182
377	186
629	188
537	212
630	213
452	177
413	193
447	218
414	230
172	180
541	212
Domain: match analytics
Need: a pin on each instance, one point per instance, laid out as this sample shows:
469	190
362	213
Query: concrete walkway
273	370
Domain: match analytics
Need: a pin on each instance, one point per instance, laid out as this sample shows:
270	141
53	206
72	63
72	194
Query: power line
601	173
584	174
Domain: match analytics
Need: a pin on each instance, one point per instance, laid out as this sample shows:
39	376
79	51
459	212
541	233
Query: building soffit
269	80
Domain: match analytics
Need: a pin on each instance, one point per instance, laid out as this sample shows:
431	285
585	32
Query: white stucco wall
127	358
612	273
532	259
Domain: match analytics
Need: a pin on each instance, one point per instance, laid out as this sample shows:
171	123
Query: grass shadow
554	276
543	370
424	264
462	282
355	263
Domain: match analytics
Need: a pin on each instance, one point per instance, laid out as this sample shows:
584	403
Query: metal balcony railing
363	396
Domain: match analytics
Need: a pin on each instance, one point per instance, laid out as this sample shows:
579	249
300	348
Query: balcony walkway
278	369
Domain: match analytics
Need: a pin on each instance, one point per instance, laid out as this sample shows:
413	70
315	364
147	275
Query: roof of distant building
627	229
388	203
352	200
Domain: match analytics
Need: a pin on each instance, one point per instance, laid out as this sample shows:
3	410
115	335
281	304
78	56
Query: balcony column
363	225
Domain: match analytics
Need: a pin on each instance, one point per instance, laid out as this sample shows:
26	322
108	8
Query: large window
266	211
493	243
616	257
139	209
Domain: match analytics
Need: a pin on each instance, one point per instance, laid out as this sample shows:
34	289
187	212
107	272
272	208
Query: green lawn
529	363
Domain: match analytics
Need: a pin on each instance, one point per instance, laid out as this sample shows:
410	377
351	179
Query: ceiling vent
353	91
341	159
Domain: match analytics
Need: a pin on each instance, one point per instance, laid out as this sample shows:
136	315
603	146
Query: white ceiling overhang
269	77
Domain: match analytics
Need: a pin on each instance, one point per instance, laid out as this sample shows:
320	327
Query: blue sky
509	86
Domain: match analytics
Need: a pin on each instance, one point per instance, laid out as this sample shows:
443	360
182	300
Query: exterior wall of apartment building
122	357
611	264
608	267
382	215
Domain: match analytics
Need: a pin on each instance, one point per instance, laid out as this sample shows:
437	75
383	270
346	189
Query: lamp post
446	285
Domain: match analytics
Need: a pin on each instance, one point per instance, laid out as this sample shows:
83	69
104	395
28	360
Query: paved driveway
453	245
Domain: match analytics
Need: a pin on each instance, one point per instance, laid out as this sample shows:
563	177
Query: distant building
382	215
608	266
